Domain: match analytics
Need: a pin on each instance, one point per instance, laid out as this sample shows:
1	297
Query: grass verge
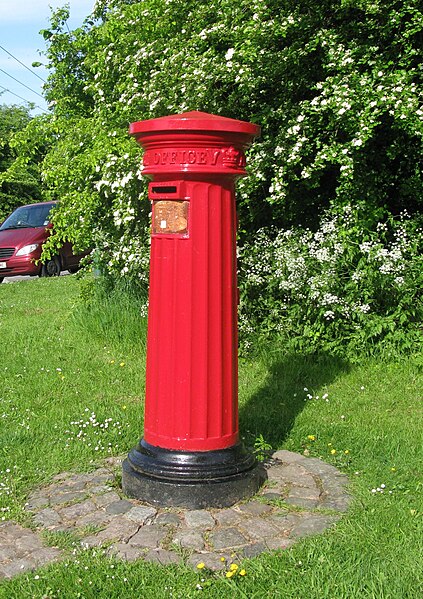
62	368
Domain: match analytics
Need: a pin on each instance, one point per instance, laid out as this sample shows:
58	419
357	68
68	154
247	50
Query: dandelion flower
333	451
122	364
201	565
233	567
230	573
311	437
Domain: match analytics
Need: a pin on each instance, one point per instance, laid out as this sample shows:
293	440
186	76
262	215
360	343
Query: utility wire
20	82
24	65
8	90
24	99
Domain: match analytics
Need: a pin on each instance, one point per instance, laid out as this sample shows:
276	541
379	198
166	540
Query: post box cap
194	121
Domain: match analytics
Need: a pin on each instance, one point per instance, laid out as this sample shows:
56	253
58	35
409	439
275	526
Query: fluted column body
191	392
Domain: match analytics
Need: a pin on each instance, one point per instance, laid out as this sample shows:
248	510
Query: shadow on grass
271	411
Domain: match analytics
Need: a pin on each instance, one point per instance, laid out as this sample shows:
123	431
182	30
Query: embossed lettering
214	156
227	157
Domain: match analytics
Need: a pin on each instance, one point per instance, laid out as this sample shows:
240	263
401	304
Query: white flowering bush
344	288
336	89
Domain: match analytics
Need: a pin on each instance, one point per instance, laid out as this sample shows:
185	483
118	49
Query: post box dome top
194	121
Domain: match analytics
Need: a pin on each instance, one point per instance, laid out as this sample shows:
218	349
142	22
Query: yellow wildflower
242	572
333	451
201	565
311	437
233	567
230	573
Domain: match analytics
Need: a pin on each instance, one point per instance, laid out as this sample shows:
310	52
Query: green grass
373	413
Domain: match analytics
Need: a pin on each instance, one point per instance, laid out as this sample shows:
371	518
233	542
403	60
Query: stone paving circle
92	509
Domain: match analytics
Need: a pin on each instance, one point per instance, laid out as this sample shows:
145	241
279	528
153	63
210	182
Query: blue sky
20	23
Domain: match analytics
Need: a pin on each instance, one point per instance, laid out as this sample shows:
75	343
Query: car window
29	216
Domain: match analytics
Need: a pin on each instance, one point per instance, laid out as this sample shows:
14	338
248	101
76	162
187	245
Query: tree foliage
18	183
335	86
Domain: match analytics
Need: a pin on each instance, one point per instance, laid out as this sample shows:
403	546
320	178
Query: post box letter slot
170	217
164	190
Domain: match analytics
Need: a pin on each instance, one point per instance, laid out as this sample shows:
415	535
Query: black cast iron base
191	479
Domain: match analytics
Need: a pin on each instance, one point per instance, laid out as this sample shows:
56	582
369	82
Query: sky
20	23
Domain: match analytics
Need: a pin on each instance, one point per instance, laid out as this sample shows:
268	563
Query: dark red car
21	239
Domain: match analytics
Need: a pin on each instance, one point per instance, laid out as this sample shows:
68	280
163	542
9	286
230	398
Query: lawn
61	365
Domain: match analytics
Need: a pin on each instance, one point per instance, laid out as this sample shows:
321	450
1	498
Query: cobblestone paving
91	507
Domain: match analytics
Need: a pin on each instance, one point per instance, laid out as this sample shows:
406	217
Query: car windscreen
28	217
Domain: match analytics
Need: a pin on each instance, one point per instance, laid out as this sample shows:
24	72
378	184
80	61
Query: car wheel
73	269
51	268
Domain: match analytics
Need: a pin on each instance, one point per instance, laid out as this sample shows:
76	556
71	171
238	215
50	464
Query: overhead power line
8	90
24	99
20	62
20	82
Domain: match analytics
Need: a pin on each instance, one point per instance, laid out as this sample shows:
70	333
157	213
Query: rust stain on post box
170	217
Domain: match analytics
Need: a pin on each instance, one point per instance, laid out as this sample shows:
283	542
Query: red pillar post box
191	454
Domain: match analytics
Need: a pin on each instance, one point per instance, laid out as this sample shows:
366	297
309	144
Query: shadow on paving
271	411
